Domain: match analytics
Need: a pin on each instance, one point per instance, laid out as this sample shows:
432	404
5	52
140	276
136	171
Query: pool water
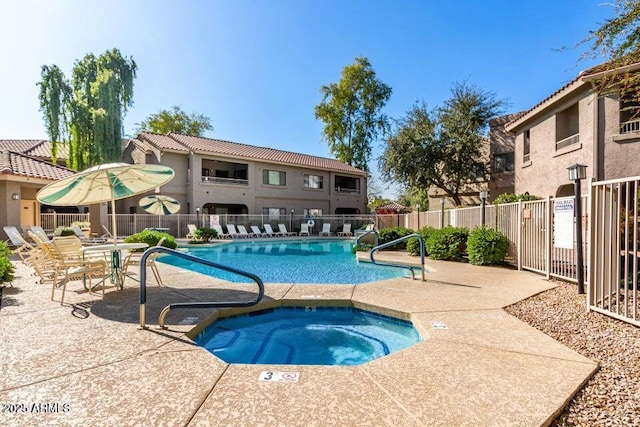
304	261
307	336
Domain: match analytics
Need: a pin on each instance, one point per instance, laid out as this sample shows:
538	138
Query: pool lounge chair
326	229
221	234
269	231
233	233
87	240
304	229
192	230
133	259
39	231
346	231
257	232
283	230
244	233
22	248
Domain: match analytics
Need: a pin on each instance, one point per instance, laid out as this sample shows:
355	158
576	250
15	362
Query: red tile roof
185	143
13	163
34	147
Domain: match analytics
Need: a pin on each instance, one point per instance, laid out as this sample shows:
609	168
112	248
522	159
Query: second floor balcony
227	173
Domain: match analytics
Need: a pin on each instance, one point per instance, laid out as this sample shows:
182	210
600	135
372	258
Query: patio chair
304	229
257	232
64	269
233	233
326	229
221	234
283	230
87	240
346	231
269	231
134	258
192	230
39	231
22	248
244	233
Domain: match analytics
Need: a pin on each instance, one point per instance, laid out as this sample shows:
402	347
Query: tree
175	121
351	112
87	113
444	147
618	39
412	198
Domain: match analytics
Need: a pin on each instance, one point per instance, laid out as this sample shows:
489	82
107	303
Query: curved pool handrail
165	311
361	236
396	241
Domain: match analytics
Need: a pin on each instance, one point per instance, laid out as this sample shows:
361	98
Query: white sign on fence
214	220
563	224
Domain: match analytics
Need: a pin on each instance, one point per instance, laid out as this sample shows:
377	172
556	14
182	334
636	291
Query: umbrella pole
113	219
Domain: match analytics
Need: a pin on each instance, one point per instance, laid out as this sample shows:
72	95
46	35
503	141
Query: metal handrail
165	311
375	237
393	242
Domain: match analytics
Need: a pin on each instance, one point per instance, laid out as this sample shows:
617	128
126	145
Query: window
527	146
567	127
313	212
312	181
629	116
503	162
270	177
274	213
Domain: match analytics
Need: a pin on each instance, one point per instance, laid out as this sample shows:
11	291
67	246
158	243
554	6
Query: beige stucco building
222	177
574	125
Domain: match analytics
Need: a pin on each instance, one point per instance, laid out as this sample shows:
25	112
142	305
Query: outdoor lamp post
578	172
398	216
198	217
291	220
442	200
418	209
483	199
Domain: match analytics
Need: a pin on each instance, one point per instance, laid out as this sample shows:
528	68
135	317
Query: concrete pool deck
87	363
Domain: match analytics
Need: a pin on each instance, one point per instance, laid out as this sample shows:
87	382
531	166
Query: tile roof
13	163
34	147
185	143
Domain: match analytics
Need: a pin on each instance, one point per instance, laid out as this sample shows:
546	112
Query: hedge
413	245
448	243
487	246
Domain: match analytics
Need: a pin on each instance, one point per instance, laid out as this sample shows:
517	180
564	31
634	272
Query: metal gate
614	254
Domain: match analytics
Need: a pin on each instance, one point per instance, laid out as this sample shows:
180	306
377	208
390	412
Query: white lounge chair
233	233
22	248
257	232
192	230
283	230
326	229
269	231
346	231
39	231
304	229
244	233
87	240
221	234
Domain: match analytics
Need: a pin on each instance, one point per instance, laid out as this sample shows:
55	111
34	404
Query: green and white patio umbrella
104	183
157	204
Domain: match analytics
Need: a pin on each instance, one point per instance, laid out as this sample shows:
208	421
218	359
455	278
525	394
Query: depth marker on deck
286	377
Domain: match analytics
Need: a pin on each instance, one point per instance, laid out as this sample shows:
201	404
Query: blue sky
256	67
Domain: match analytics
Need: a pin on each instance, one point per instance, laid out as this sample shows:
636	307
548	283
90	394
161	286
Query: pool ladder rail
209	304
394	242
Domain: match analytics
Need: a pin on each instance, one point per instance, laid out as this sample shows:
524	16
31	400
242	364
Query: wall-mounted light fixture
15	196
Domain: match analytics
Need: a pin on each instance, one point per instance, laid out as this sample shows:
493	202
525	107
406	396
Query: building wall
501	142
621	151
546	171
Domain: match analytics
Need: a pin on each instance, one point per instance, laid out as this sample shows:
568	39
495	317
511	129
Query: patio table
116	258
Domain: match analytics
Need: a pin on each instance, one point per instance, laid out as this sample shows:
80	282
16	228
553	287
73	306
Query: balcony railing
229	181
347	190
630	126
573	139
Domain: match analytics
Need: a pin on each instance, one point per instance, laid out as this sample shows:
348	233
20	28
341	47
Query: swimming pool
299	261
307	336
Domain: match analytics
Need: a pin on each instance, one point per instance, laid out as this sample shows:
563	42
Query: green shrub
413	245
486	246
387	235
152	237
361	247
64	231
205	234
449	243
6	267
